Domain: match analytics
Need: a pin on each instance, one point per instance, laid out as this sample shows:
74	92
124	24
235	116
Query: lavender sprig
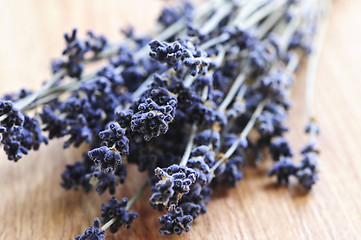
113	216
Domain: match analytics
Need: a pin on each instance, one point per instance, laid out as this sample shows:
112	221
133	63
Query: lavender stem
242	135
189	146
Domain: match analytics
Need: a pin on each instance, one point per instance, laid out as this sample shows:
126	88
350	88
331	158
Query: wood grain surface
34	206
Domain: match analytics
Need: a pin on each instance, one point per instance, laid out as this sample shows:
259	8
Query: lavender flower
14	117
283	169
92	233
173	182
117	209
154	113
175	222
177	53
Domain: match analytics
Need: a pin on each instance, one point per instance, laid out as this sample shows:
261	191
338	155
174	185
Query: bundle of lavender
189	107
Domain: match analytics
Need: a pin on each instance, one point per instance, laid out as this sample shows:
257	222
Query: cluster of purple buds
283	169
171	15
154	114
75	175
101	180
92	233
177	54
117	210
20	133
198	162
174	181
75	52
14	117
175	222
107	159
114	137
306	172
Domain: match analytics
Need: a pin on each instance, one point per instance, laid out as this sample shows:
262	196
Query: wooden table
34	206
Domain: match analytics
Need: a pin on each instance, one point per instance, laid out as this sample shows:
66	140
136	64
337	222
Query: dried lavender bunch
181	106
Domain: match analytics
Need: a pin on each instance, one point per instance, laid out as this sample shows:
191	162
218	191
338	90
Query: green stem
232	92
260	14
137	195
271	21
221	13
311	67
189	146
214	41
242	136
289	32
261	32
247	9
22	103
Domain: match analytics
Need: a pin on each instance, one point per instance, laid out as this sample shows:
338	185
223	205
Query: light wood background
34	206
